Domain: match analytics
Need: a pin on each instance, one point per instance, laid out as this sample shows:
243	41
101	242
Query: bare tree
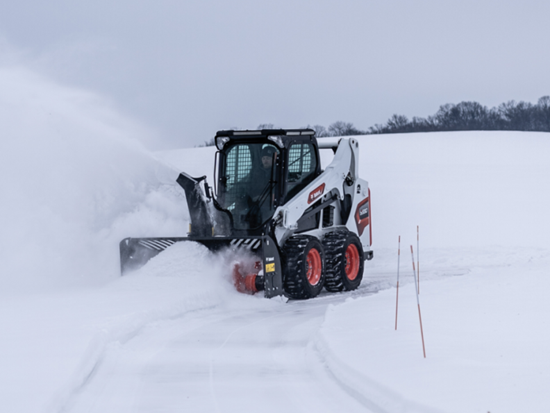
398	122
320	131
210	142
340	128
265	126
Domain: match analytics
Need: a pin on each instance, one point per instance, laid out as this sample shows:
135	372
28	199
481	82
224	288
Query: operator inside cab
261	182
246	190
261	188
267	159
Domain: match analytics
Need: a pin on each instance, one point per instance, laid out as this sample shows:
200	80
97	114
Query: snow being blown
75	180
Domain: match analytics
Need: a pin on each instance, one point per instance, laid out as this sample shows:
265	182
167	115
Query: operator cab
261	170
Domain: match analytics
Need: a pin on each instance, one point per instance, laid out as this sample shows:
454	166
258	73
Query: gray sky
190	68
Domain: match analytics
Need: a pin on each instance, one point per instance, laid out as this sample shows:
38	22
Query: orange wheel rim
314	267
352	262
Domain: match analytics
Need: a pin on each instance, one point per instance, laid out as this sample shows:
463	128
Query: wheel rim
314	267
352	262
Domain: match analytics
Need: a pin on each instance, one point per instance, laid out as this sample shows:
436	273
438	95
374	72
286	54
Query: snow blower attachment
300	228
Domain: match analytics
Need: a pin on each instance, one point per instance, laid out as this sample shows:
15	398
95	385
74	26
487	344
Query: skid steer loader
307	228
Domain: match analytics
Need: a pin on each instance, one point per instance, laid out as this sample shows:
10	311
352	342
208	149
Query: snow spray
418	303
97	185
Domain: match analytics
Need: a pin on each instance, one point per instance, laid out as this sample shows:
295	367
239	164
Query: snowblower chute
305	228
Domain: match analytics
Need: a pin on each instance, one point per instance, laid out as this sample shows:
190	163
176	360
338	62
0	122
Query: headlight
277	140
221	141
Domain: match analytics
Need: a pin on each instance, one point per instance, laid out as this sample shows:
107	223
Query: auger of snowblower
306	229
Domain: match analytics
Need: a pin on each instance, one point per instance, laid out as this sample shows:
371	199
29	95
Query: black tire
302	281
336	245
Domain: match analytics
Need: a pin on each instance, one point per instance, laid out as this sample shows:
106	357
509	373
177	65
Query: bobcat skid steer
305	228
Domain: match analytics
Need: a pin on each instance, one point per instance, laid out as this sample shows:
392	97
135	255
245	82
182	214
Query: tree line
517	116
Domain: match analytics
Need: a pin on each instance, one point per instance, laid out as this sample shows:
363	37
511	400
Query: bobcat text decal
316	193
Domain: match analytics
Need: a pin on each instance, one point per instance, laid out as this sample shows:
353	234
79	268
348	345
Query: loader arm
340	178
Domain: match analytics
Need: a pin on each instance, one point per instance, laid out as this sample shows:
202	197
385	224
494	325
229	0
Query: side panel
360	219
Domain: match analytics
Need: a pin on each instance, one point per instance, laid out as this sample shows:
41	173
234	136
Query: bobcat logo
316	193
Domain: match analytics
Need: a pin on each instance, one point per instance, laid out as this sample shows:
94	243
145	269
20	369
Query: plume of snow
75	180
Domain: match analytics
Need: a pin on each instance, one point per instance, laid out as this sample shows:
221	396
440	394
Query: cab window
302	165
245	189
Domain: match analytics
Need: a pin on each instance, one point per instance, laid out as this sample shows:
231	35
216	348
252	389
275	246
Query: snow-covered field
175	336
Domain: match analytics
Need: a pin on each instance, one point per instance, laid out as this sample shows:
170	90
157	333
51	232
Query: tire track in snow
258	356
372	395
213	357
231	344
104	341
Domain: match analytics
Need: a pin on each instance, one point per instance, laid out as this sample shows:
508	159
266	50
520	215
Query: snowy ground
175	336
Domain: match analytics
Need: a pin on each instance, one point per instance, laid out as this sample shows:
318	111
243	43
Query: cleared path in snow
217	362
252	357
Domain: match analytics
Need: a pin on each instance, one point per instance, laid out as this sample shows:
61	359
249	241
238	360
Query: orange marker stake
418	303
397	296
418	256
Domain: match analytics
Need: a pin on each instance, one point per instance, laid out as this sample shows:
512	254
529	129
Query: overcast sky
188	68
